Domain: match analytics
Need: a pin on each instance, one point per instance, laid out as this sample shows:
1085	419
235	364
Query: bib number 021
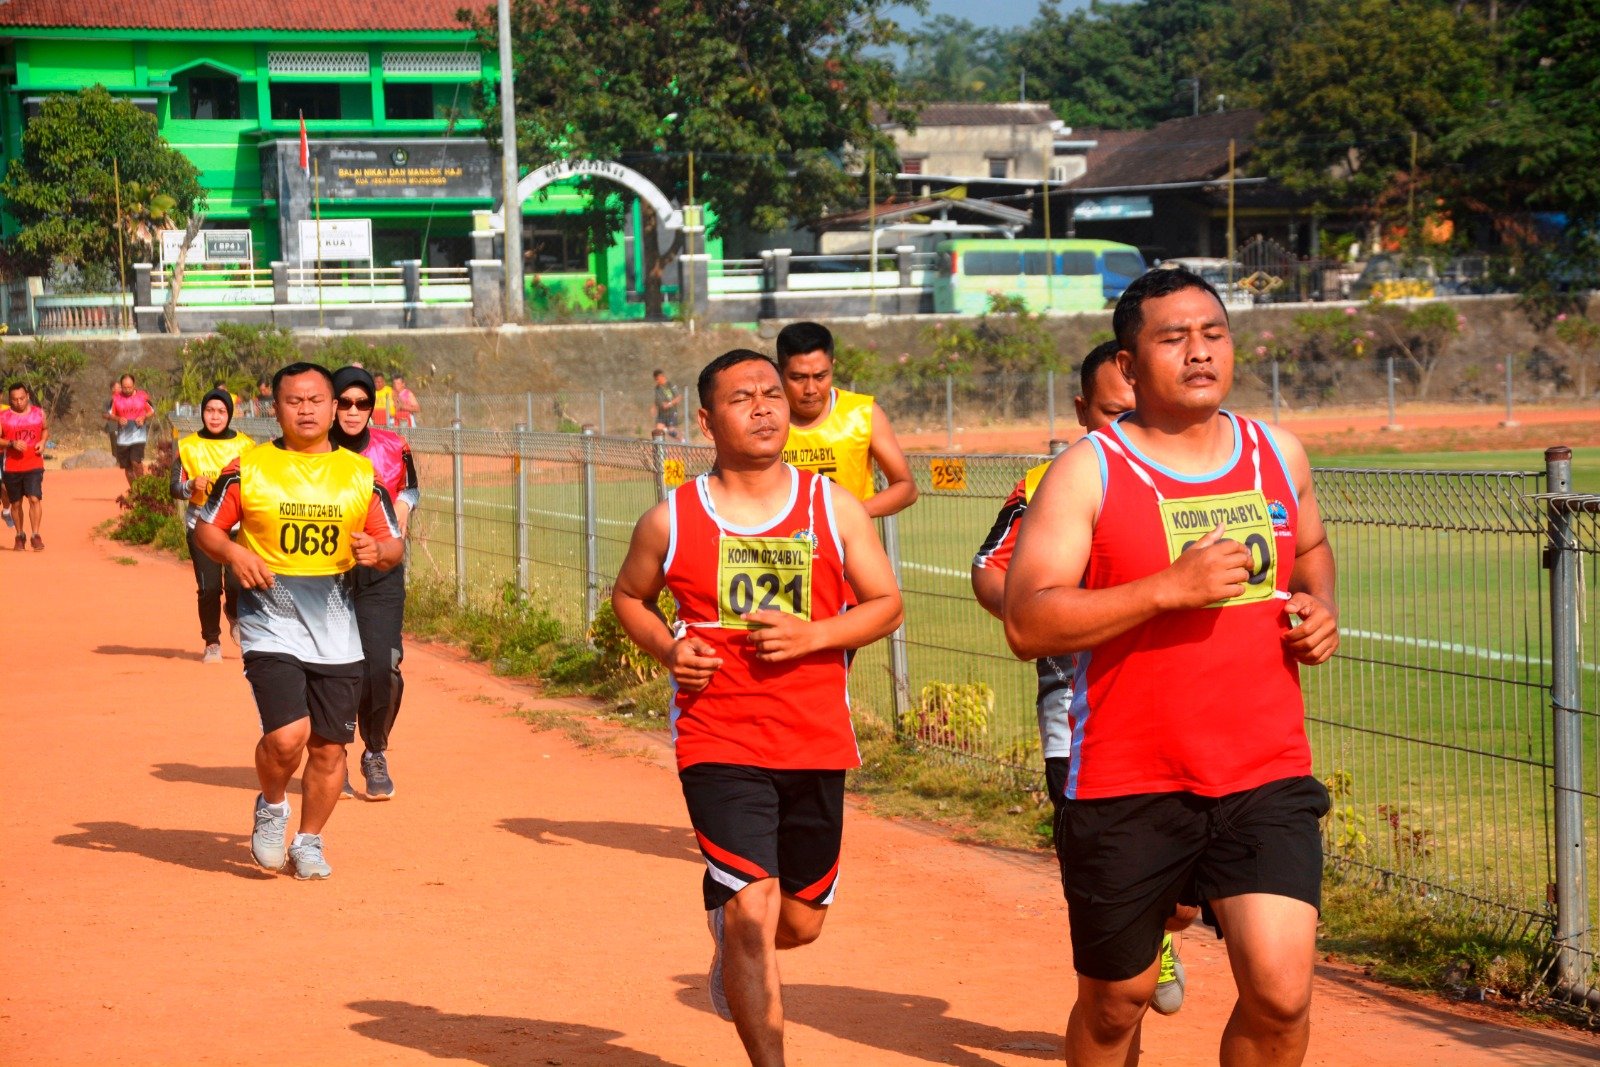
763	592
308	538
762	574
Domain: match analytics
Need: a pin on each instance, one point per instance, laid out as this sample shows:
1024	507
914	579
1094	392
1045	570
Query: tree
1120	65
778	101
952	59
1360	78
62	190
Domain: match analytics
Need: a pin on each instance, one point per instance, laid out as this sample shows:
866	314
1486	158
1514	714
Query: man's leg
751	920
1271	947
1104	1027
321	782
35	508
278	757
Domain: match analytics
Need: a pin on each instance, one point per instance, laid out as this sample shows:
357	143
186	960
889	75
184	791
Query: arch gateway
667	216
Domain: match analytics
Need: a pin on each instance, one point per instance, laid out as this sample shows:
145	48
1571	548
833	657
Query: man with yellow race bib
761	559
307	513
836	432
1178	554
201	457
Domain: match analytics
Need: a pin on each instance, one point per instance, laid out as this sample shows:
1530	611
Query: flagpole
316	204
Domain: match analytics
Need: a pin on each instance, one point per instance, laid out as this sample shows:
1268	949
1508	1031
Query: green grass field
1434	718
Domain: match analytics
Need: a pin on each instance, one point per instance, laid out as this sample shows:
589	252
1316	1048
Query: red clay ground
1425	428
522	901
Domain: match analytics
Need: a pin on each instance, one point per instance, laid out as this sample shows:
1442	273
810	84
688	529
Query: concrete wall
966	150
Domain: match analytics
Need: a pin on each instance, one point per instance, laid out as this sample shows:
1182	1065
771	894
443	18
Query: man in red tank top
1178	553
760	559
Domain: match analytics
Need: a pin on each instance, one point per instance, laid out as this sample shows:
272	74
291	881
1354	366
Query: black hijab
227	433
344	378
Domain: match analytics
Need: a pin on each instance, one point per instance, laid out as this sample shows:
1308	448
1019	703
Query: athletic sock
280	808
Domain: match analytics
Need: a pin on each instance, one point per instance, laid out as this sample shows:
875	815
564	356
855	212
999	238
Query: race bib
1248	522
763	573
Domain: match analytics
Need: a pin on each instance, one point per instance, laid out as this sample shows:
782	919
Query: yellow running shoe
1168	997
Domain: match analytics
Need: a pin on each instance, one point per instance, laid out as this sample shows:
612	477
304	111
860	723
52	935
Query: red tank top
386	449
1205	700
782	716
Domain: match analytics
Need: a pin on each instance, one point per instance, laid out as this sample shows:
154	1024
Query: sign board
340	239
208	246
673	473
948	475
351	169
1110	208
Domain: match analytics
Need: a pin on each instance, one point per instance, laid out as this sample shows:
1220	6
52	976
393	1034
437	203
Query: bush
237	354
148	507
388	359
47	368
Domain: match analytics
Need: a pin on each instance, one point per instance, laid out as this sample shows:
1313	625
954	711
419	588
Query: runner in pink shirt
22	438
130	407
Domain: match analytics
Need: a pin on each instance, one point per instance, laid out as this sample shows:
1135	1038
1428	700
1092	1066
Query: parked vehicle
1068	274
1390	277
1224	280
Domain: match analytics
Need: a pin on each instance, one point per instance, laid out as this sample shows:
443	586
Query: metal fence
1458	727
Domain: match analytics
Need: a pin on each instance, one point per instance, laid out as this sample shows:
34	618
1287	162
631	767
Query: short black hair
1098	357
14	386
1163	281
658	372
294	370
798	338
130	378
706	384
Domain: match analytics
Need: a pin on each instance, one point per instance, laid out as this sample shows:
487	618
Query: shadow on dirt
905	1023
150	653
224	777
200	850
666	842
493	1040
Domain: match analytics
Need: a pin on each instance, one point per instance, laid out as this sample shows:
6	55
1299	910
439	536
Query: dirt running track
522	901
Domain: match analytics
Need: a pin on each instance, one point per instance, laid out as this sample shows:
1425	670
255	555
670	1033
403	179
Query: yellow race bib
1245	513
840	446
301	508
759	573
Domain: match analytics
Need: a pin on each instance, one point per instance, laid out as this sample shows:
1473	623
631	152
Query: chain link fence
1458	728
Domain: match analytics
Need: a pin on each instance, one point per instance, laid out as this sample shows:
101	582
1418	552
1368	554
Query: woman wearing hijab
380	596
201	457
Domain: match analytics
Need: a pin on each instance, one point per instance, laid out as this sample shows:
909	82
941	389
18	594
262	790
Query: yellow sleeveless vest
839	446
205	458
1031	480
300	508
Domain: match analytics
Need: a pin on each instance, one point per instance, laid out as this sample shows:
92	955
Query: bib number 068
308	538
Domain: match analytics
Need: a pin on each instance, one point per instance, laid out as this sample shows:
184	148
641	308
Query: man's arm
993	558
784	637
1312	583
901	492
633	597
1048	613
220	513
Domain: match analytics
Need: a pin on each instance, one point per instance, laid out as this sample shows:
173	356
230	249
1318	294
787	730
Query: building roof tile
1180	150
325	15
936	113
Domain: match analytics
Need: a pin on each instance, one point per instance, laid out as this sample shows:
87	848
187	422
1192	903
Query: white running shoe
719	995
266	840
1168	996
212	654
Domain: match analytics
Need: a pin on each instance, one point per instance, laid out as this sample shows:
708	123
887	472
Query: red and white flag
305	148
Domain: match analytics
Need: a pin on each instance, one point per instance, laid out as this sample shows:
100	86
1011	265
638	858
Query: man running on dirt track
1169	552
759	558
307	513
129	409
834	431
23	432
380	595
1105	395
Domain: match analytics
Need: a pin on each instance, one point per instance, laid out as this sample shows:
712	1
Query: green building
388	90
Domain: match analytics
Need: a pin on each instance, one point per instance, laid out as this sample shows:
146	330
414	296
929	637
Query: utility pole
510	202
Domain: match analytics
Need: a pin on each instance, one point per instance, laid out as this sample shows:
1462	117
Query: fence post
1275	393
527	401
458	407
458	500
1388	371
1511	418
899	662
1572	890
949	411
1050	399
658	460
591	544
520	506
602	419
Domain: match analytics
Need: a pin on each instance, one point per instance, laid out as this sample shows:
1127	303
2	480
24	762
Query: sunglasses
345	404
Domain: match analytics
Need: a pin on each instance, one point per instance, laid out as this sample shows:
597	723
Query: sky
1000	13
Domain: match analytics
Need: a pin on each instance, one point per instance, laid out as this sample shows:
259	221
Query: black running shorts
1125	861
24	483
287	690
128	455
752	823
